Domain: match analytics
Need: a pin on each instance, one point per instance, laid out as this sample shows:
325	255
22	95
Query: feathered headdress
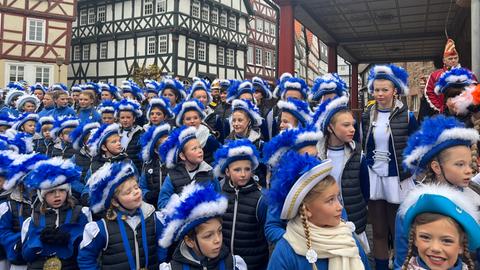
233	151
263	86
173	145
287	82
324	113
44	120
251	109
199	84
76	88
111	88
16	85
151	86
467	101
444	200
289	139
170	83
291	181
58	86
21	165
195	205
435	135
100	135
62	123
163	104
6	157
127	105
92	86
103	183
13	94
189	105
106	106
27	98
298	108
23	118
456	77
38	86
285	76
329	83
237	88
397	75
78	135
130	86
149	139
20	142
6	119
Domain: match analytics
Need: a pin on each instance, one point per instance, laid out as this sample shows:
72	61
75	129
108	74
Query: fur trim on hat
129	86
7	119
128	106
63	123
170	83
79	133
327	110
173	145
38	86
328	84
106	106
397	75
250	108
233	151
27	98
76	88
50	173
162	103
298	108
111	88
456	77
293	83
23	118
237	88
20	142
189	105
22	164
263	86
16	85
200	84
149	139
12	94
58	86
152	86
101	134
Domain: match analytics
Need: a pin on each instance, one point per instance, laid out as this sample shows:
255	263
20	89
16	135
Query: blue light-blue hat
58	86
288	82
173	145
92	86
78	135
62	123
38	86
195	205
16	85
456	77
13	94
44	120
163	104
23	118
397	75
6	119
111	88
27	98
262	86
324	113
298	108
233	151
151	86
329	83
251	109
100	135
106	106
149	139
128	105
19	142
170	83
22	164
130	86
189	105
237	88
200	84
76	88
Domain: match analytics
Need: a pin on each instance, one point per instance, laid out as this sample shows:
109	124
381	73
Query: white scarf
335	244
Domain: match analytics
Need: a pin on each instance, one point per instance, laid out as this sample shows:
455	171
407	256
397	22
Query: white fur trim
12	93
233	152
309	136
285	105
456	196
100	175
94	146
292	85
106	109
275	158
462	101
285	75
146	148
171	154
46	119
340	101
86	127
245	84
329	85
27	98
188	105
241	104
129	107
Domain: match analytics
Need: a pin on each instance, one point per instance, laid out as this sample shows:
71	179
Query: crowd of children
231	175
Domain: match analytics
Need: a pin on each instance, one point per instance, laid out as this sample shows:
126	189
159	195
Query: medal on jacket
126	244
53	263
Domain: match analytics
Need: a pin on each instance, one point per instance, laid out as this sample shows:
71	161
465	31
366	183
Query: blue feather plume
286	85
52	172
459	77
174	84
16	85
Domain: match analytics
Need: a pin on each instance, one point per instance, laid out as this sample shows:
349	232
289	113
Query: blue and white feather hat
130	86
150	138
44	120
163	104
27	98
19	142
100	135
324	113
200	84
329	83
285	76
444	200
195	205
4	145
93	86
289	139
233	151
237	88
21	166
251	109
6	119
189	105
288	82
38	86
261	85
13	94
456	77
105	180
397	75
291	181
127	105
6	157
76	88
171	83
111	88
151	86
16	85
62	123
298	108
58	86
50	174
106	106
80	133
435	135
173	145
24	118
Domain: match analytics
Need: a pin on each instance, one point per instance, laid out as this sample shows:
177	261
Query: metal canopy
369	31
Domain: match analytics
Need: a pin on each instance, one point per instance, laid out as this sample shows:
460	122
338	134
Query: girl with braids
387	125
439	150
443	226
316	237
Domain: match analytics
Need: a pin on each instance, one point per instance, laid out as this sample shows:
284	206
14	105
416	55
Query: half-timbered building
35	40
185	38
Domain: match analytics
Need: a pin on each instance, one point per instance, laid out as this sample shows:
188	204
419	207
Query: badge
53	263
150	171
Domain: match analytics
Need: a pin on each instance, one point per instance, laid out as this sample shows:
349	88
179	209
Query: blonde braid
466	255
306	228
476	126
410	254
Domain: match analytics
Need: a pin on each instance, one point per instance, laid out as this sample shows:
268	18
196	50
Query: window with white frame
230	58
16	73
232	22
202	51
205	13
223	19
83	17
101	13
36	30
86	52
42	75
151	41
268	58
220	56
77	54
250	55
214	16
266	27
147	7
258	56
259	24
196	9
163	44
91	15
161	6
103	50
272	29
191	48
